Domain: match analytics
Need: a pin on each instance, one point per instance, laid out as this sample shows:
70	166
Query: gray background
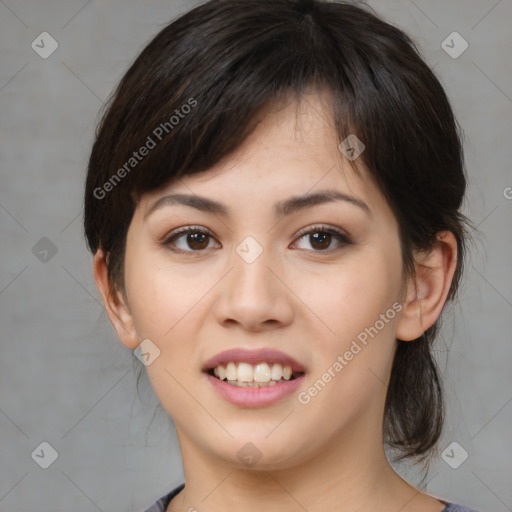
66	380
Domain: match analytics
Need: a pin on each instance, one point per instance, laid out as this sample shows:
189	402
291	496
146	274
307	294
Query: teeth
252	384
230	371
261	373
220	372
277	372
245	374
287	372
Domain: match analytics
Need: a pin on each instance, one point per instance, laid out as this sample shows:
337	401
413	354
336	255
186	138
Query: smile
254	375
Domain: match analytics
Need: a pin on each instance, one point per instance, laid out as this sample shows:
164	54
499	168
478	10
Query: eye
321	237
195	238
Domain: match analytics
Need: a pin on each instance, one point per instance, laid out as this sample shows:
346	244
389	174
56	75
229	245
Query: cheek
161	296
350	297
355	342
163	301
166	301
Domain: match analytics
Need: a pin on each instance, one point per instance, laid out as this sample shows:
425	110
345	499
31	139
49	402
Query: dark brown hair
194	94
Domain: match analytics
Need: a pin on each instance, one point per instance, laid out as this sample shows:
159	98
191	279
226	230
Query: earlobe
428	290
115	303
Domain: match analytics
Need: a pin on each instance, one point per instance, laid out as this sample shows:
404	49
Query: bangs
196	108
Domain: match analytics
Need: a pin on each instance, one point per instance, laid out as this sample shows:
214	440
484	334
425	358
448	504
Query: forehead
293	150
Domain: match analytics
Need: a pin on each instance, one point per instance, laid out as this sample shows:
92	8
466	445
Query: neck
344	476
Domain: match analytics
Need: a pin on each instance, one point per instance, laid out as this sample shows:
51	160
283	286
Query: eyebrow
282	208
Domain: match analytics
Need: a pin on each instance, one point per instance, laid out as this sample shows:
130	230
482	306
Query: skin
306	299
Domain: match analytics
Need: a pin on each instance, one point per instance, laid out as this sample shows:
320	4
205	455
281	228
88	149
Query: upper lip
243	355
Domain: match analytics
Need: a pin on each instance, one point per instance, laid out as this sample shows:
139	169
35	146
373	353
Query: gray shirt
163	503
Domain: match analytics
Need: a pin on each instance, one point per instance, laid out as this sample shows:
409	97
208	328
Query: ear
116	304
427	291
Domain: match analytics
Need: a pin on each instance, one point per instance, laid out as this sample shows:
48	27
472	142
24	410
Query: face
275	279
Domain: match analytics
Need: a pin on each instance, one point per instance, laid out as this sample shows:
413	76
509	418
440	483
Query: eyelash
342	238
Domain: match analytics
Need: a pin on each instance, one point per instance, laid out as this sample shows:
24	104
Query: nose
254	295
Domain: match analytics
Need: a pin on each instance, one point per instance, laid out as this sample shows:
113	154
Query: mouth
258	375
260	370
234	384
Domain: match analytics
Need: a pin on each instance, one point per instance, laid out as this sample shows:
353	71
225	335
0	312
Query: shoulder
453	507
162	504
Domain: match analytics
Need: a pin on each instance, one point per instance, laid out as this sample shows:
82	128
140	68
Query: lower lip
252	396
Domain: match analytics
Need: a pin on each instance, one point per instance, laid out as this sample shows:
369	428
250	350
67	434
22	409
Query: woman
273	204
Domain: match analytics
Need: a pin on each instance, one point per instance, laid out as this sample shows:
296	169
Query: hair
195	92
